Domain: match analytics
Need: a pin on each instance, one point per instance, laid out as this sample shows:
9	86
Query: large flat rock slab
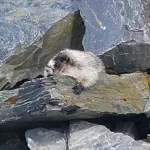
53	99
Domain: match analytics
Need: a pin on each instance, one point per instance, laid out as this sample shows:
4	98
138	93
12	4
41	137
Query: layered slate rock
66	33
84	135
53	99
109	23
24	21
41	138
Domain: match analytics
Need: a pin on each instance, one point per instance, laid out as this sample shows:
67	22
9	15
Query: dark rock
128	57
66	33
12	141
41	138
127	128
84	135
24	21
109	23
53	99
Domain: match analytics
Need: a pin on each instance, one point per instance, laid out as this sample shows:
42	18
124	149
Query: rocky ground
44	113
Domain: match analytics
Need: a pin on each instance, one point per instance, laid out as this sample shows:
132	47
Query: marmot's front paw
78	88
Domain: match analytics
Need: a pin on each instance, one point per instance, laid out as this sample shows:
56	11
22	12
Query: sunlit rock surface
109	23
84	135
24	21
53	99
44	139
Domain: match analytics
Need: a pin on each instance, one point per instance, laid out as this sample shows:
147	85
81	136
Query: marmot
83	66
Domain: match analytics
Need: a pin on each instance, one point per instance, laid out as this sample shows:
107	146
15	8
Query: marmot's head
57	64
49	68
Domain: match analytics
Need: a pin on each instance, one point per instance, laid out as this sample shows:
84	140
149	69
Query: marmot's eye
46	70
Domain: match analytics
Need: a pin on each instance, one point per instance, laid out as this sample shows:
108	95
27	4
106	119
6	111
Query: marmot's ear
67	59
57	64
62	58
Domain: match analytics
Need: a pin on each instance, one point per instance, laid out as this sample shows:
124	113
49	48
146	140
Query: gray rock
145	143
53	99
84	135
44	139
109	23
24	21
66	33
128	57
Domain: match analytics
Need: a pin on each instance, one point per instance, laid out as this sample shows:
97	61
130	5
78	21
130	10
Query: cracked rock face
109	23
84	135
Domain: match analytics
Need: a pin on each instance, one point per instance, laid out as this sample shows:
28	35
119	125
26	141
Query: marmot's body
83	66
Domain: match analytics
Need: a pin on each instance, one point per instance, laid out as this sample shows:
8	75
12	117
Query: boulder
81	135
128	57
109	23
53	99
66	33
32	32
84	135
